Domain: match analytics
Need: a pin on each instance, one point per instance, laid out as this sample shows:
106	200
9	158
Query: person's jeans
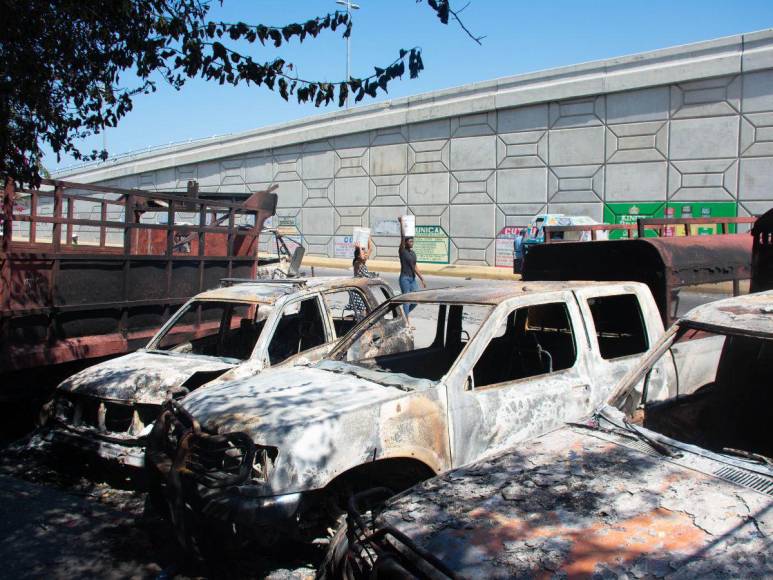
408	284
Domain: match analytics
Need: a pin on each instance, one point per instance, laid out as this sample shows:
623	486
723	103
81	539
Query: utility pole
349	7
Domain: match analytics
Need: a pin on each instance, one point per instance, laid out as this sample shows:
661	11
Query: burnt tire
336	564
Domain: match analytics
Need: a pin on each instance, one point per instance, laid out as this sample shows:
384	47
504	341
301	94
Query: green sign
431	245
628	213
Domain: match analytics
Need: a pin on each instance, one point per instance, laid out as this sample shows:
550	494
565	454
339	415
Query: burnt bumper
212	480
130	453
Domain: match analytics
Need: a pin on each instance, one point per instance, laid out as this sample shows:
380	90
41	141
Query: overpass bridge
683	131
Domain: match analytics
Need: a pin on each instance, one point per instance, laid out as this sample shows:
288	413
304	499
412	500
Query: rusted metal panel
45	274
664	264
762	253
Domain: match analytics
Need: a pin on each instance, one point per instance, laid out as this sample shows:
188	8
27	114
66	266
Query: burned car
231	332
668	479
484	368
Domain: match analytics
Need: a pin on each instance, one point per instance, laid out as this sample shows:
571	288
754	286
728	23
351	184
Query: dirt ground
59	523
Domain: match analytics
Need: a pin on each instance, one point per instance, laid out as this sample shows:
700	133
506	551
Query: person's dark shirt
407	262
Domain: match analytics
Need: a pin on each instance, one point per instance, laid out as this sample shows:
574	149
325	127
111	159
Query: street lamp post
349	7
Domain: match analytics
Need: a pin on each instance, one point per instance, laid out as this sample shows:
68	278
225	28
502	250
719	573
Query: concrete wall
686	124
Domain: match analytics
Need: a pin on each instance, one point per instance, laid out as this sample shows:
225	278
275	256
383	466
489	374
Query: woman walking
409	271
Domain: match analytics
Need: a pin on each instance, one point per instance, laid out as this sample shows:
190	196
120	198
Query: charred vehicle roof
483	368
225	333
674	481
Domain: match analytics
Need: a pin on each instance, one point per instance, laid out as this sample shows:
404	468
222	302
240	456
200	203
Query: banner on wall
343	247
432	245
628	213
504	247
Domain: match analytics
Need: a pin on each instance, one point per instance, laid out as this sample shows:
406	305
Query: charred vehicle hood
270	405
141	377
583	503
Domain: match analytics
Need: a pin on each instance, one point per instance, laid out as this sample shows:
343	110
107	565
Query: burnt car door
524	374
301	328
622	323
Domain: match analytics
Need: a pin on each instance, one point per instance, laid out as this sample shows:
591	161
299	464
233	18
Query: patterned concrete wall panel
594	210
474	125
352	145
429	156
518	214
755	179
147	180
577	113
636	181
473	221
287	163
389	189
467	255
289	193
576	146
184	174
708	180
317	221
431	215
579	183
748	208
758	92
319	245
389	159
709	138
429	130
352	191
259	169
232	175
757	134
318	164
209	175
720	96
318	192
428	188
522	119
389	136
165	179
473	153
347	218
473	186
351	162
637	142
522	185
637	106
525	149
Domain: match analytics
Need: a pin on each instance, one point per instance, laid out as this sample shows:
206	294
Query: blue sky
521	37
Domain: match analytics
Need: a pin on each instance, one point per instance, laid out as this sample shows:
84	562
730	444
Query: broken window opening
221	329
428	352
534	340
300	328
722	399
347	307
619	323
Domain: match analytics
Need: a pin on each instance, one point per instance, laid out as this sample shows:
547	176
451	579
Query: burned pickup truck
232	332
486	367
666	480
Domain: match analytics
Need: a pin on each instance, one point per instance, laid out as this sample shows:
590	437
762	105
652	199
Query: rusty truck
89	272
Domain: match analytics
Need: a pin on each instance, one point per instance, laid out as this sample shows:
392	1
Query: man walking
409	271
